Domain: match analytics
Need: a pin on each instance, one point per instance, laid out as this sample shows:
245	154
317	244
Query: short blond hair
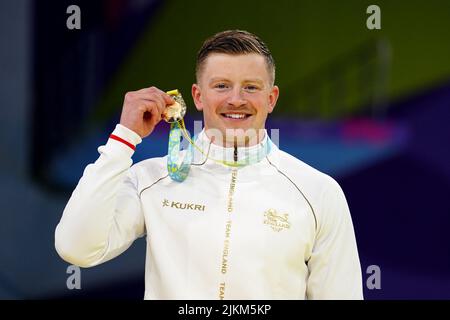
235	42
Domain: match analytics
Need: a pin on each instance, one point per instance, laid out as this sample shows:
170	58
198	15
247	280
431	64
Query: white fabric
281	230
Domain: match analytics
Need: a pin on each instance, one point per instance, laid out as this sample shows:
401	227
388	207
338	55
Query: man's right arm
103	216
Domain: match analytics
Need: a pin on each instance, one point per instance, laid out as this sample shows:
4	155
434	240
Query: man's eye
221	86
251	88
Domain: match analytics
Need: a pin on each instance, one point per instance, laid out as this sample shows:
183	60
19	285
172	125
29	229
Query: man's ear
197	96
273	97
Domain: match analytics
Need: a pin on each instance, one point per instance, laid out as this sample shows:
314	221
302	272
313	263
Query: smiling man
247	221
235	91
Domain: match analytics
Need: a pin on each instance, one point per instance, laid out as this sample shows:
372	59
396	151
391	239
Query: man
249	221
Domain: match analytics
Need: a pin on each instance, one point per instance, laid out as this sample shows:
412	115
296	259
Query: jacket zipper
227	239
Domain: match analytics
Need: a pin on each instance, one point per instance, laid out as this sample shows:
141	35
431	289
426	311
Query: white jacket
276	229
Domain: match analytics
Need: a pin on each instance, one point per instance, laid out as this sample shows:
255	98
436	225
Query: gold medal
176	111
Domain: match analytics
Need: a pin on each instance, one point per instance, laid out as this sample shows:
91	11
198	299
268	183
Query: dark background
368	107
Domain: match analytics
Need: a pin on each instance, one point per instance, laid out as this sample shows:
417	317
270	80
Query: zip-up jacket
273	229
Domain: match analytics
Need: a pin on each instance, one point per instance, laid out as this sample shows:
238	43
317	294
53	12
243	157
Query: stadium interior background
369	107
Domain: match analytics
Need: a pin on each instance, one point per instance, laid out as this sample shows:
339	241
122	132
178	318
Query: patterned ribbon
178	166
177	171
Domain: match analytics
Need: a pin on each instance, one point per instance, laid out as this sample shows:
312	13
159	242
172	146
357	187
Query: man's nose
236	99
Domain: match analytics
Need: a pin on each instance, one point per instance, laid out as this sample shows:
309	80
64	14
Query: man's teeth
235	115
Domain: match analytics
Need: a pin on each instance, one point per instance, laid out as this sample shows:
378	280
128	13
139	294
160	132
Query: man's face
235	92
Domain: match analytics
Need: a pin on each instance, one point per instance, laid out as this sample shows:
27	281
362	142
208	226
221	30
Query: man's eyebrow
254	80
218	79
257	80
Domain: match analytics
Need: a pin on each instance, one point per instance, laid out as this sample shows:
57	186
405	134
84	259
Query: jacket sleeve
103	216
334	267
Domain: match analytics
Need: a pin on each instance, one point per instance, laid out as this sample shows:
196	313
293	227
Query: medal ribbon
179	169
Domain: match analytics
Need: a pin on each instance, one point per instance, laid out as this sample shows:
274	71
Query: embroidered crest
276	221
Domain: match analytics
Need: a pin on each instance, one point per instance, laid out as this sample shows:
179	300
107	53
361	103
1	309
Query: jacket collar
228	155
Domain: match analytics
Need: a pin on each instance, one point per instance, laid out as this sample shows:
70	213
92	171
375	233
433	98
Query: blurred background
369	107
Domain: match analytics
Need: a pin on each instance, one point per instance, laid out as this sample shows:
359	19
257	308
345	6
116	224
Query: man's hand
142	109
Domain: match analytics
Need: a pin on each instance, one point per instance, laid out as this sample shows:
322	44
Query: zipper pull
235	153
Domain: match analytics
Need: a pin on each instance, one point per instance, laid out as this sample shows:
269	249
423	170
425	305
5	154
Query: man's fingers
142	109
148	106
153	99
155	114
153	90
152	115
168	99
161	101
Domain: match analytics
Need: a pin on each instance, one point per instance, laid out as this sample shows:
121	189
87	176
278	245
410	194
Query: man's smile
235	116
